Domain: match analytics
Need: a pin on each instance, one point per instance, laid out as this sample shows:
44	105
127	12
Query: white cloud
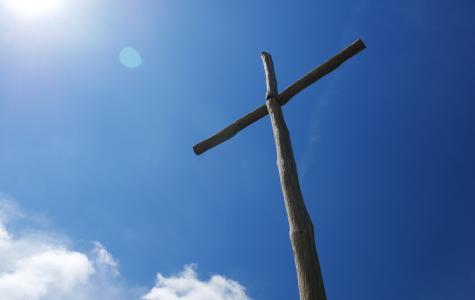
49	272
38	265
105	260
187	286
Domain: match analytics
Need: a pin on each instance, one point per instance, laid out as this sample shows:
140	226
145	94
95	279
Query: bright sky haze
102	195
31	8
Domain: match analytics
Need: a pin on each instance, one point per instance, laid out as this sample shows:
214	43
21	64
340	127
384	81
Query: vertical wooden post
309	275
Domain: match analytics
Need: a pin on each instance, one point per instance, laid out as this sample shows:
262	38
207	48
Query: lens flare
130	58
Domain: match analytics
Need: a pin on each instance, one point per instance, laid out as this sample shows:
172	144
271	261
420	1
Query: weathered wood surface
271	79
310	281
317	73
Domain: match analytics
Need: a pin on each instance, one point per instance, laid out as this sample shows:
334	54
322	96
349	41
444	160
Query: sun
33	7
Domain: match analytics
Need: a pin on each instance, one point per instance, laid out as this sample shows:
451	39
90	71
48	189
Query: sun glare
33	7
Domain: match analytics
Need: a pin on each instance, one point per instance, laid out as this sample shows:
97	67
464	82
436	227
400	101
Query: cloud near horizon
187	286
42	266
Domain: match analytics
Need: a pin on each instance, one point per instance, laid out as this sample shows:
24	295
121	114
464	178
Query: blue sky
384	145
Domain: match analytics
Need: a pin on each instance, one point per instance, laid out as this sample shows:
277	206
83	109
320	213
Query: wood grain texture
317	73
310	281
271	80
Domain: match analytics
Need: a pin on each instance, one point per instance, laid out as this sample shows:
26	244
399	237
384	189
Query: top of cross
284	97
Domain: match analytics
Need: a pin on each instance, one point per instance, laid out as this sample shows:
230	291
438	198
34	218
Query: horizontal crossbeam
284	97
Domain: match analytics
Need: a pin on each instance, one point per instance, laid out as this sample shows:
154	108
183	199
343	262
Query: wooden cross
310	281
